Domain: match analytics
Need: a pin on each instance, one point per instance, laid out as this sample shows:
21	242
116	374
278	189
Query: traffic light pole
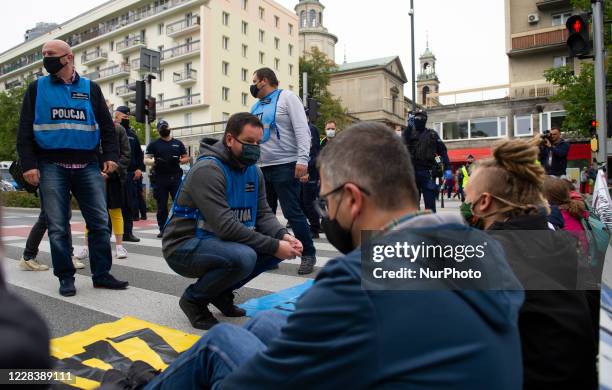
600	81
413	56
305	89
147	129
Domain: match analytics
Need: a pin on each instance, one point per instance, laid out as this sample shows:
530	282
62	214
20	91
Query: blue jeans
280	179
219	266
87	185
219	352
427	187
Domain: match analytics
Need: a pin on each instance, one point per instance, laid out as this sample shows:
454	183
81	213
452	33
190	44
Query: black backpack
17	172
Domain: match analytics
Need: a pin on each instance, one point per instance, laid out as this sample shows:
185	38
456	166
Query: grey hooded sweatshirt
205	188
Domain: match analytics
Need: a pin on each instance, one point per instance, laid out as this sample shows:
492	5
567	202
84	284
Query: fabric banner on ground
282	301
90	353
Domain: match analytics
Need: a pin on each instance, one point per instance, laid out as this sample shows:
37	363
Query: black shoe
143	218
130	238
109	281
135	219
313	234
198	315
67	288
225	303
160	235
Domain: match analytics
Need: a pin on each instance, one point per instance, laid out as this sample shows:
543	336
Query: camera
545	136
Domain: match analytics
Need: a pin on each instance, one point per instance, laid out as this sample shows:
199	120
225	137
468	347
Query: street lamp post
411	12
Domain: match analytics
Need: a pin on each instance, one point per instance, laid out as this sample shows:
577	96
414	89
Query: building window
187	119
262	35
245	74
437	126
225	19
559	61
312	18
160	29
112	45
262	13
111	87
523	125
550	120
560	19
262	57
225	68
160	48
245	99
160	97
484	127
276	63
455	130
244	4
245	50
225	116
276	43
245	28
503	126
161	75
290	29
276	21
225	43
290	49
225	94
290	69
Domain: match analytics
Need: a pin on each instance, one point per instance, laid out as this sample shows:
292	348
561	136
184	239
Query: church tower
312	32
427	79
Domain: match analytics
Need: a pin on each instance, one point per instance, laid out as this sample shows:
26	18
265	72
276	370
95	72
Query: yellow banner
88	354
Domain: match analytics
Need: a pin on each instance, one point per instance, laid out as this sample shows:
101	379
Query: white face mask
330	133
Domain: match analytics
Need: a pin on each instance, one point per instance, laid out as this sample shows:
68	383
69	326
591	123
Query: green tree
319	69
139	129
10	108
577	92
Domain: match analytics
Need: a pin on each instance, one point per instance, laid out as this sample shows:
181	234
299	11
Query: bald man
64	121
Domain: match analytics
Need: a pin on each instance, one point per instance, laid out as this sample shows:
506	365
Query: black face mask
53	64
420	123
164	132
125	123
254	90
339	237
250	154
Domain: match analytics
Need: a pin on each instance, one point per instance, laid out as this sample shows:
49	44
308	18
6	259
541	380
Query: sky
470	48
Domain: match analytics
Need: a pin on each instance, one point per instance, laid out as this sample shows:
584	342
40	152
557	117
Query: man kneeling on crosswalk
221	230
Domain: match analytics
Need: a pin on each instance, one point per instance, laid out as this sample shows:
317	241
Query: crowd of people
537	331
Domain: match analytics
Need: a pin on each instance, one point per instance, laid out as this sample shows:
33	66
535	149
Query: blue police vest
265	110
64	116
242	189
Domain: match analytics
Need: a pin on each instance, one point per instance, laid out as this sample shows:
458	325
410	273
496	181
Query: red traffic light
594	123
577	26
578	40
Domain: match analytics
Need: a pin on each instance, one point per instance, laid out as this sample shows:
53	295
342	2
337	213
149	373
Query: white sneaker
77	264
32	265
83	254
122	253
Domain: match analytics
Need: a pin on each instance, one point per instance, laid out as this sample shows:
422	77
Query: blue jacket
342	336
559	154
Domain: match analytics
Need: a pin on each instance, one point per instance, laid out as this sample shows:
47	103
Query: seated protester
221	230
342	336
505	197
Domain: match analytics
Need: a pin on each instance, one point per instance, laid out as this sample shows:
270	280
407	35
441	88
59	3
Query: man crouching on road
221	230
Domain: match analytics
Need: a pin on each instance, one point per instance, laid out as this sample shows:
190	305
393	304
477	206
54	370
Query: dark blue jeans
36	235
219	352
219	266
281	179
87	185
427	187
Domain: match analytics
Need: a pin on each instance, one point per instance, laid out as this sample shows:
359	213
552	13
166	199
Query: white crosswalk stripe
154	287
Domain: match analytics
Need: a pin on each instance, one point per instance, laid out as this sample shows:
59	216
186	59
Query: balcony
185	77
24	62
126	91
531	42
93	57
13	84
179	103
183	27
181	52
112	72
552	5
130	45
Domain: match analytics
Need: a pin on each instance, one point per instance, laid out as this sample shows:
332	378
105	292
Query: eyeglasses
321	203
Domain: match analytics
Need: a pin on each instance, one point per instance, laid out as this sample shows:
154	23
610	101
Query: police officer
466	170
166	155
64	119
429	156
134	174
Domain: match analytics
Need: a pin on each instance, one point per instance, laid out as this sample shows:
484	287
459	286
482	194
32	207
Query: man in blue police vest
64	120
285	149
428	154
221	230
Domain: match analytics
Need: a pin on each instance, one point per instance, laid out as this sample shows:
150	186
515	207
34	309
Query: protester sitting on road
342	336
221	229
505	196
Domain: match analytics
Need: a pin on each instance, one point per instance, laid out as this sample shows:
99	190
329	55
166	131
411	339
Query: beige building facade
209	51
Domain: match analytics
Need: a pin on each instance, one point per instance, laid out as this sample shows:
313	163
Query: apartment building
209	50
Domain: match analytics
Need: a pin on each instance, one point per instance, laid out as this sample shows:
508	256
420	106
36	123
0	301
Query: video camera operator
553	153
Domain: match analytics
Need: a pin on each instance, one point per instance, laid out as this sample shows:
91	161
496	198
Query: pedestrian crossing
154	288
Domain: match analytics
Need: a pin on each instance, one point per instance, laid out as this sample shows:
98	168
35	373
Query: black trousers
308	196
130	203
165	187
